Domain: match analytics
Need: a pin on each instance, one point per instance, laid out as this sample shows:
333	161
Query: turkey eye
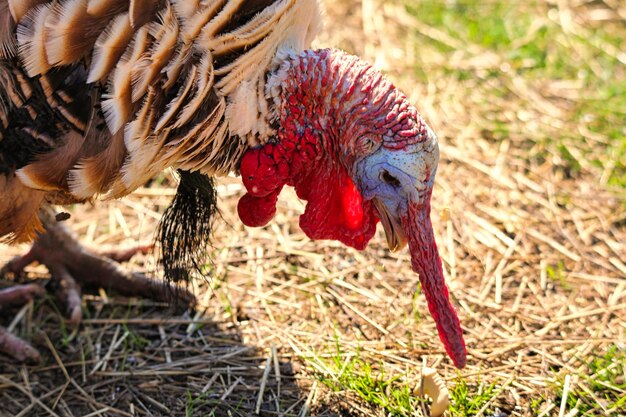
367	145
389	179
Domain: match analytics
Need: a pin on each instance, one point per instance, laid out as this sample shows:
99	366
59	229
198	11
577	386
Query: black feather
185	229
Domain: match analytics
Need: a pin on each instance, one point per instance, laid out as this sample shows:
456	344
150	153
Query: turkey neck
324	102
331	98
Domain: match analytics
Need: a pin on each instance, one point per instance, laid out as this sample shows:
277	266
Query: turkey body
98	96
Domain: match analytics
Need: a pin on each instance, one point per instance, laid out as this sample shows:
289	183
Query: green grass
557	274
349	373
469	400
195	402
373	387
357	377
600	386
576	68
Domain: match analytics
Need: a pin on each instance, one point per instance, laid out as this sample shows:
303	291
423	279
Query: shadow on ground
136	357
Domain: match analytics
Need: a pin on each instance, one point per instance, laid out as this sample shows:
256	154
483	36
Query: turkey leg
71	267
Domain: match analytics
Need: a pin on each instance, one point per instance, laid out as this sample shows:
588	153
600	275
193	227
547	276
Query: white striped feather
117	104
183	46
145	70
143	146
31	37
65	34
192	26
173	106
109	47
186	8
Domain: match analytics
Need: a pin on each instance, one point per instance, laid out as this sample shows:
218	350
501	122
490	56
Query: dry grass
534	255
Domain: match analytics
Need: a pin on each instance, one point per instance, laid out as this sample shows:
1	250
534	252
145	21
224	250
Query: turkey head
358	152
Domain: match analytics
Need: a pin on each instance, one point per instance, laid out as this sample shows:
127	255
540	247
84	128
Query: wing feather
93	175
106	7
146	70
31	40
19	8
177	83
66	36
117	103
142	11
109	47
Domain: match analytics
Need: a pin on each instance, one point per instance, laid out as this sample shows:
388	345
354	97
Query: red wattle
335	209
259	171
257	211
352	204
327	100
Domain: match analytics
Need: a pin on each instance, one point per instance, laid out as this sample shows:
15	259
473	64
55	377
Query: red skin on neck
335	209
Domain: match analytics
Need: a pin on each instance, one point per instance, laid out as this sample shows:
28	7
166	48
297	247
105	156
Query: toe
20	294
17	348
123	255
68	291
16	265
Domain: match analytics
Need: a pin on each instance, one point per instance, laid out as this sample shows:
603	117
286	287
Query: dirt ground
534	259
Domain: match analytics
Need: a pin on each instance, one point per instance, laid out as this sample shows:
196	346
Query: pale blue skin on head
397	176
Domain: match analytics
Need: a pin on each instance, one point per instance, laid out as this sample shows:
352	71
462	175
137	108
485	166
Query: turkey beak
396	238
399	183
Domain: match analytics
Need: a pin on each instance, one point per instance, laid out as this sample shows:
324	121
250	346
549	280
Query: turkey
98	96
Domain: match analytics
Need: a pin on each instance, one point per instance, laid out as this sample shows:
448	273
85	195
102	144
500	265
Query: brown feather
109	47
31	38
49	171
19	8
142	144
7	32
106	7
194	23
186	8
11	95
174	106
19	208
93	175
142	11
167	81
117	103
145	70
71	32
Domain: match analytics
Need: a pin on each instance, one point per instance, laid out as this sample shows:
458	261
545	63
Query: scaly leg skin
72	266
10	344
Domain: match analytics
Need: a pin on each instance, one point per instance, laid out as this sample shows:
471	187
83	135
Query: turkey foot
10	344
73	267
